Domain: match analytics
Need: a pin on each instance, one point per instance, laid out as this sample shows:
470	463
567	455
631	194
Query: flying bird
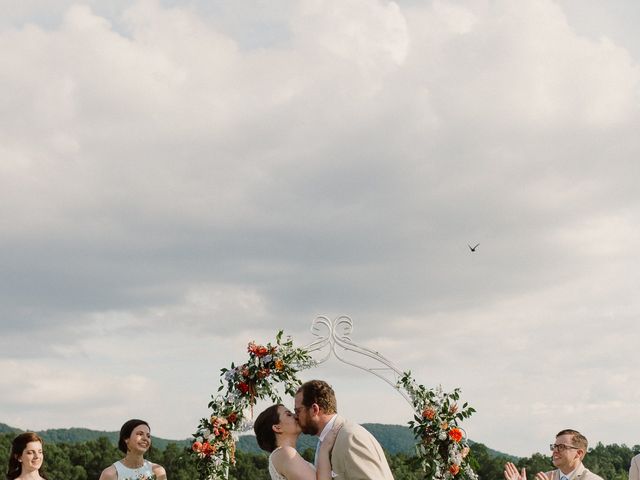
473	249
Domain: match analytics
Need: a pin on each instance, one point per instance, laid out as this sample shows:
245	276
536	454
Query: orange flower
454	469
453	408
455	434
207	449
444	425
257	350
429	413
196	447
279	364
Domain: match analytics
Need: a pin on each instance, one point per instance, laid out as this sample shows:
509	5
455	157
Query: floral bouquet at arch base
442	445
240	387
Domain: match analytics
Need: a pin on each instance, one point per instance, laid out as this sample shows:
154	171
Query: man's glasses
561	447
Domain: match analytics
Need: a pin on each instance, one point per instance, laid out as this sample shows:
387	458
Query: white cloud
163	172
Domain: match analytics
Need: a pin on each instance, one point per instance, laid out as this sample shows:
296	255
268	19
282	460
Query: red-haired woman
27	455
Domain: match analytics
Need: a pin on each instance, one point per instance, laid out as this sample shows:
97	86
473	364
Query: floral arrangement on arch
240	387
442	445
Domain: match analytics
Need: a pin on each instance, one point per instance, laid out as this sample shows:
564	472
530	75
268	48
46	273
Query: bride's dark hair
263	428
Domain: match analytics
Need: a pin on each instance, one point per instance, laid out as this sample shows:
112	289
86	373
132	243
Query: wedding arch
441	443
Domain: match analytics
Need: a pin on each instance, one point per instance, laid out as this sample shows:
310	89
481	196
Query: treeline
611	462
85	461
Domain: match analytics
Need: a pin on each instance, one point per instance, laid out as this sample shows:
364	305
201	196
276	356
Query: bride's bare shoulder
285	453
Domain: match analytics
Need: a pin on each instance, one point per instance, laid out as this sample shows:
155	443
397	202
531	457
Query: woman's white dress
125	473
272	470
275	475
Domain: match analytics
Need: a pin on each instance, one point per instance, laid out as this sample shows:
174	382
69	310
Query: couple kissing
345	449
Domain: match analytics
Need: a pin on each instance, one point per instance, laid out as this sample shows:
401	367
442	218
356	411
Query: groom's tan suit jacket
581	473
634	469
357	455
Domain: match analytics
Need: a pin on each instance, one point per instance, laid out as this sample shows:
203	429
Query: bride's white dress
272	470
275	475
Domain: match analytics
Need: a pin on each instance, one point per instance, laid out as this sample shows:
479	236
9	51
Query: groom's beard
310	429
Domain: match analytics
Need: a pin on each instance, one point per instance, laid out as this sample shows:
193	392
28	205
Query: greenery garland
240	387
441	446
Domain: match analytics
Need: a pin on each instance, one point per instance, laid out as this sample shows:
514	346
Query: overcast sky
180	177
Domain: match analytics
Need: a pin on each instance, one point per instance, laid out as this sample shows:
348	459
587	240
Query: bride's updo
263	428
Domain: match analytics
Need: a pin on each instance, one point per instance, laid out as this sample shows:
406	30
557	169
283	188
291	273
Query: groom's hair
320	393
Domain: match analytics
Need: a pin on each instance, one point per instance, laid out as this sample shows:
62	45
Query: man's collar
573	474
327	428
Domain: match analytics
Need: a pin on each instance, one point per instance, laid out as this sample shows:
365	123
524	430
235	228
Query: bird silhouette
473	249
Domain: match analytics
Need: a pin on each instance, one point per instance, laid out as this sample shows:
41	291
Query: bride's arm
323	463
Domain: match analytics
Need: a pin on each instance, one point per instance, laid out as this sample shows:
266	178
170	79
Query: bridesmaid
134	442
25	461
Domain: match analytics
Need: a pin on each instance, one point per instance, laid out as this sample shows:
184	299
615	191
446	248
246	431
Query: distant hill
393	438
4	428
78	435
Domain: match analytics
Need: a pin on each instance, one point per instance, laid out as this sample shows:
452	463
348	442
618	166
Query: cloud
190	177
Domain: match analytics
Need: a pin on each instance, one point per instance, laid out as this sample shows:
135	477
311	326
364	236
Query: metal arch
335	337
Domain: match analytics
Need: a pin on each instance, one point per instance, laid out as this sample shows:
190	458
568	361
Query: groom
356	455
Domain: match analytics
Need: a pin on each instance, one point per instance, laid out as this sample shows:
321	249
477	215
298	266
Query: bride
277	431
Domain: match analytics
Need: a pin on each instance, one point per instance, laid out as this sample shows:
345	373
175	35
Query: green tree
487	466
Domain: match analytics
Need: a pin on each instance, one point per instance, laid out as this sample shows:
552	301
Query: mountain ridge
393	438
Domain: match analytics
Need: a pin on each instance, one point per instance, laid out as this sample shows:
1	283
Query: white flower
267	358
442	435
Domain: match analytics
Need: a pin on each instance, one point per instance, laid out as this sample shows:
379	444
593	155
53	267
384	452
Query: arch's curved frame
335	337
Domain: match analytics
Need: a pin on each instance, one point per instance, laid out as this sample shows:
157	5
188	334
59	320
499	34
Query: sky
178	178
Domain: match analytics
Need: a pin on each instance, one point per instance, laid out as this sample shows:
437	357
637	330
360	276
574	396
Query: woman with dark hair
277	432
25	460
134	442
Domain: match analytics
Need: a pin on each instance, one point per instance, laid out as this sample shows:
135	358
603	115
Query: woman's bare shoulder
159	471
285	453
109	473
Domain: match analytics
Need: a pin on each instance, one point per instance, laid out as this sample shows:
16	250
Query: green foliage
85	461
214	445
442	444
